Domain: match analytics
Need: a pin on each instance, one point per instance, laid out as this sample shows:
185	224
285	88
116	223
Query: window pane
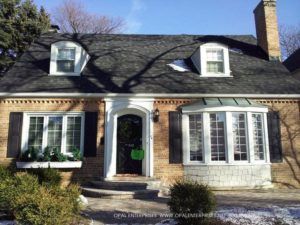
35	136
215	67
217	136
196	146
55	132
239	136
258	136
66	54
73	133
65	66
214	55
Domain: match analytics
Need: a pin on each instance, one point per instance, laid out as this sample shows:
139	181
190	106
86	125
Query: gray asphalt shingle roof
293	61
138	64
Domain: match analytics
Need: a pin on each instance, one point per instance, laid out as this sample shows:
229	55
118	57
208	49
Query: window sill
58	165
226	164
216	75
65	74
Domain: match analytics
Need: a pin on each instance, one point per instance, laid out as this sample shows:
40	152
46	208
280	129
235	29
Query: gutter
151	95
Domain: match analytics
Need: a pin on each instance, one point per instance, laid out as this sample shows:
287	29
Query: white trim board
142	95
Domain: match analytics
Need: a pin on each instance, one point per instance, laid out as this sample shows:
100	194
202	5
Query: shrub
48	206
76	154
47	154
190	201
48	176
57	156
32	154
34	204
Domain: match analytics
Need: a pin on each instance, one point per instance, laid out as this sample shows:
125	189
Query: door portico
116	108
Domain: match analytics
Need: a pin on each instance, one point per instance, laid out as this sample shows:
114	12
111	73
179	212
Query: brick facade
286	174
92	166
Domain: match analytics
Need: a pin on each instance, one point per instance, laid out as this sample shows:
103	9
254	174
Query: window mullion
64	135
206	138
186	138
45	133
266	138
229	137
250	137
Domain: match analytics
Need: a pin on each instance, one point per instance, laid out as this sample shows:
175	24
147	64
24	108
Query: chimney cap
54	28
270	3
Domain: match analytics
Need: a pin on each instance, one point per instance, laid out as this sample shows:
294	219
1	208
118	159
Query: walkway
106	211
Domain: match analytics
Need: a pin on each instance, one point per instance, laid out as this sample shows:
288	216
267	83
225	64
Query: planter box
62	165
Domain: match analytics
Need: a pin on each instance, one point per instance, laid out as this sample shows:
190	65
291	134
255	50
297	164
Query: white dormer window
212	60
67	58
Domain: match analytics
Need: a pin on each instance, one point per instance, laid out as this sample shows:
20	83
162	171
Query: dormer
212	60
67	59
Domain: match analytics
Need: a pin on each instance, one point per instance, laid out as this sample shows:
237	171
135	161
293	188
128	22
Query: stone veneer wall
228	176
92	166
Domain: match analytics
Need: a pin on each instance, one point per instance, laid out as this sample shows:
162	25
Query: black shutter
274	137
90	134
175	137
14	134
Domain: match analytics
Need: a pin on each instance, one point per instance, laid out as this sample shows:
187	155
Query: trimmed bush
32	203
47	206
47	177
190	201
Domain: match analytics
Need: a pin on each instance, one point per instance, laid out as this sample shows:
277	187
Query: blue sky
186	16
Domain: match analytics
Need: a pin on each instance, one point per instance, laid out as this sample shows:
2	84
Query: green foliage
32	154
47	177
21	22
190	201
57	156
51	206
47	155
76	154
34	204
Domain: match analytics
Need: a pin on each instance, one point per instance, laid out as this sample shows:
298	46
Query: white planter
62	165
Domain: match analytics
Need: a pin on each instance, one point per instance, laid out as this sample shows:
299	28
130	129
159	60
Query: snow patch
254	216
236	50
179	65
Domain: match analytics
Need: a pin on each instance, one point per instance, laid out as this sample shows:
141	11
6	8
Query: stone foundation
230	176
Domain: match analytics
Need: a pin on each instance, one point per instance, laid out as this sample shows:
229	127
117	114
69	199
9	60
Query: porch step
119	185
118	194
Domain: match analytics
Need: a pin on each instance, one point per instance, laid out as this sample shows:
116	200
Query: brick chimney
267	28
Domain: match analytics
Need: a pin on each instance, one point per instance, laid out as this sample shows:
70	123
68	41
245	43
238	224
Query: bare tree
72	17
289	39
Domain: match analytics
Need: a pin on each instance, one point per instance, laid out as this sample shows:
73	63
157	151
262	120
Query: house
292	63
222	110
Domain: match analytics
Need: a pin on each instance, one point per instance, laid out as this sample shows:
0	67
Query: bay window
217	136
196	146
63	132
258	134
225	134
240	145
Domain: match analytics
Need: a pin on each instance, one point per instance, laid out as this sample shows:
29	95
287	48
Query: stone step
119	185
114	194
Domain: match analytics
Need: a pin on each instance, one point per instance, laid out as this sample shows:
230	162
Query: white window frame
203	56
46	115
229	151
81	58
